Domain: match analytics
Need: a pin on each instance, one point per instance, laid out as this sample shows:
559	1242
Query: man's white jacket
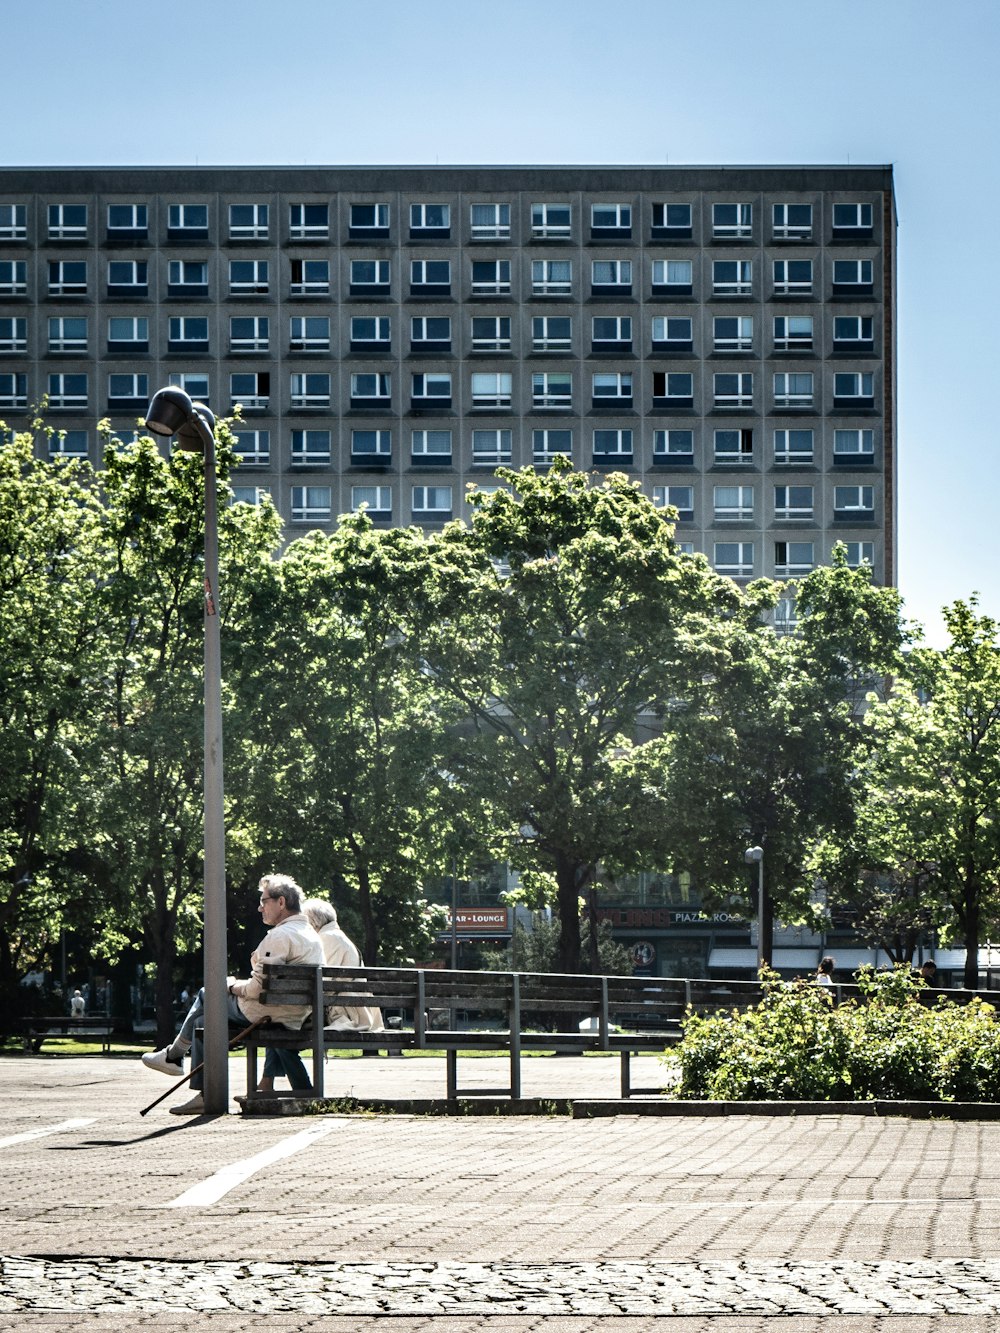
293	941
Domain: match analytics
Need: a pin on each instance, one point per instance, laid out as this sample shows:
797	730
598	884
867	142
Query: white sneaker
163	1064
196	1106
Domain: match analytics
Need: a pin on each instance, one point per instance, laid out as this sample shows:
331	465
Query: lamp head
753	855
171	412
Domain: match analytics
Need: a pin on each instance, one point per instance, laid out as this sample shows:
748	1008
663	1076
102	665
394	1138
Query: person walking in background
77	1004
824	973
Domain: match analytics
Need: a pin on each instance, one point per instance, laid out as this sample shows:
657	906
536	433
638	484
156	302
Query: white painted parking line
60	1128
212	1189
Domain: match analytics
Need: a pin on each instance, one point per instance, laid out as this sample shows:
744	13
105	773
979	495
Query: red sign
480	920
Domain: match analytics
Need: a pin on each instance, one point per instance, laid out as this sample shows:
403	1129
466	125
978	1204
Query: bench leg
626	1057
451	1064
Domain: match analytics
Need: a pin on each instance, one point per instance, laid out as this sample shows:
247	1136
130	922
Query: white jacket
293	941
340	951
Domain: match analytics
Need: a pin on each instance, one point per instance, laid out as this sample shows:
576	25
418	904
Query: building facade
724	335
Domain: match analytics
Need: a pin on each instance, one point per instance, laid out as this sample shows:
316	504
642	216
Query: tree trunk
970	925
767	928
370	950
567	898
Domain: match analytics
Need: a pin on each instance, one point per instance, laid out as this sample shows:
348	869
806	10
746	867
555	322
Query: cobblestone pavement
404	1224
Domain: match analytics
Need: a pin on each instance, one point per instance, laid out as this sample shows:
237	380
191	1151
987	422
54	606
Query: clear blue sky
312	82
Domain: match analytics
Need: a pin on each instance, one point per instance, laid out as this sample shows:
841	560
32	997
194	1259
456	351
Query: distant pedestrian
928	971
824	973
77	1004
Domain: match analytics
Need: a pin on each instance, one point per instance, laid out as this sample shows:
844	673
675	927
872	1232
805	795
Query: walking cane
180	1082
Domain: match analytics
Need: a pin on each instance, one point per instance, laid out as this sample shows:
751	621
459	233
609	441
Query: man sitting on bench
289	939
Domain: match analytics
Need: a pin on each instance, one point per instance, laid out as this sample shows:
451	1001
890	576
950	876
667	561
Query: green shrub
797	1045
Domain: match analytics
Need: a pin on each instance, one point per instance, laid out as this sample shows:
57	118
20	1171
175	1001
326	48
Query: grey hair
320	913
283	886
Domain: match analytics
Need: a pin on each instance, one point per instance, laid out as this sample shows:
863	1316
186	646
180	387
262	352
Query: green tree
578	617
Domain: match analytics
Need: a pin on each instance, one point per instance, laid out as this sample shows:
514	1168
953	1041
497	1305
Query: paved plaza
501	1224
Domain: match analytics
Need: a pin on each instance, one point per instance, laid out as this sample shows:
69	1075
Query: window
369	220
187	221
187	333
551	333
490	222
430	333
551	221
612	333
793	446
128	277
249	495
793	389
68	277
249	333
793	559
612	446
308	222
673	389
671	220
430	448
854	389
852	276
491	389
491	448
673	446
734	559
793	333
187	277
69	334
13	222
68	444
613	389
672	277
371	448
67	391
793	277
13	391
310	448
195	385
732	333
853	333
854	502
128	333
310	277
377	500
786	618
431	390
732	221
733	502
792	222
311	504
14	335
852	219
793	502
370	332
853	446
371	389
128	220
680	498
546	445
13	277
309	333
611	274
248	222
491	277
67	222
369	275
251	389
430	219
248	277
433	502
611	220
551	277
550	389
430	277
491	333
310	391
733	390
860	553
733	448
732	277
253	447
127	391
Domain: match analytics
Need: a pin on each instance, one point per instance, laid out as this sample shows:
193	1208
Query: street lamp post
171	412
755	856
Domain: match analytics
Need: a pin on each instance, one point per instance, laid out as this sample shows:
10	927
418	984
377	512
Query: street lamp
171	412
755	856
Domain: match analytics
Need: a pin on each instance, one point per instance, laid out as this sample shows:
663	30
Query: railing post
514	1026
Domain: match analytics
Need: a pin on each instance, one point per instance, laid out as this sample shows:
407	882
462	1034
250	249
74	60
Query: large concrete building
724	335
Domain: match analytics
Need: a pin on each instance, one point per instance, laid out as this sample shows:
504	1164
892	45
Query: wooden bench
36	1030
456	1011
